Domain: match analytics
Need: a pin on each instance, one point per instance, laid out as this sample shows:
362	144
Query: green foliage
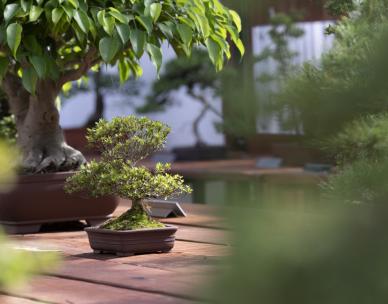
50	39
340	7
135	218
128	138
122	143
8	130
361	151
321	256
362	182
365	138
18	265
349	81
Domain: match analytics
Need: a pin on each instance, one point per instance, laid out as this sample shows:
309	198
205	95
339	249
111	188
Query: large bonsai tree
123	142
48	43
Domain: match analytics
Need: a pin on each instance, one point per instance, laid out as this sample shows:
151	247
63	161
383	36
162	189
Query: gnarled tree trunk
40	137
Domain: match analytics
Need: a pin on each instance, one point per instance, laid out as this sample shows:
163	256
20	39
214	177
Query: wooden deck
85	277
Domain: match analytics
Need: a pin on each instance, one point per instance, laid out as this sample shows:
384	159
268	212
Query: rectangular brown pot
40	199
129	242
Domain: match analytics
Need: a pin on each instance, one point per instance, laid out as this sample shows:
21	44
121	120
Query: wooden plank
12	299
65	291
202	235
177	262
127	276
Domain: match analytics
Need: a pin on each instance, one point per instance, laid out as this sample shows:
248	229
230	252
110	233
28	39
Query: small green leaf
215	53
29	80
14	37
124	70
107	23
10	11
39	64
118	15
108	47
74	3
68	10
26	5
240	46
138	40
35	13
32	45
67	87
167	29
156	55
82	20
124	32
57	14
185	32
146	22
155	11
236	19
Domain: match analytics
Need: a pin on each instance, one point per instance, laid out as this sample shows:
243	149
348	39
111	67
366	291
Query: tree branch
205	102
89	60
18	97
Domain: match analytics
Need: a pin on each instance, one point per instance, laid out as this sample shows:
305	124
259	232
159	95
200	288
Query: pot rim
109	231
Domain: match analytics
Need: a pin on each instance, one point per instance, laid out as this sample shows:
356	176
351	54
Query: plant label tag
268	162
165	209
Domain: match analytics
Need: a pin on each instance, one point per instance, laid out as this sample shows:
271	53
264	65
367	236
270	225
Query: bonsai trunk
206	106
40	137
135	218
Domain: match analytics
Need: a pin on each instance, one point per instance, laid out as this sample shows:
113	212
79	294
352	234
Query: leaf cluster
122	143
8	130
361	151
62	40
365	138
361	182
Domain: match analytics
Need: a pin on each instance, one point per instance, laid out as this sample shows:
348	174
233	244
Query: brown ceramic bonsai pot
129	242
40	199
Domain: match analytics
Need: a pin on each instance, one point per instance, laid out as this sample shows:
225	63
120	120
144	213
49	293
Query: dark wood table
85	277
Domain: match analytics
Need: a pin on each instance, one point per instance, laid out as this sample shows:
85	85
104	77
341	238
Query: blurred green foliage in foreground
16	265
327	256
350	80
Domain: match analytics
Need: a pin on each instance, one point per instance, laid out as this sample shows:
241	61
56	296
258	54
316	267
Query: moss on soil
134	218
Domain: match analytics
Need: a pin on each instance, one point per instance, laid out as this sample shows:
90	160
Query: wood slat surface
85	277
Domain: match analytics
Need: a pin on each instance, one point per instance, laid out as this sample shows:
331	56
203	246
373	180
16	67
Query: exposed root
63	158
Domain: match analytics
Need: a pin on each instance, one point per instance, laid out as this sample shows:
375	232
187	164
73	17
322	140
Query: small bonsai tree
123	142
47	44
